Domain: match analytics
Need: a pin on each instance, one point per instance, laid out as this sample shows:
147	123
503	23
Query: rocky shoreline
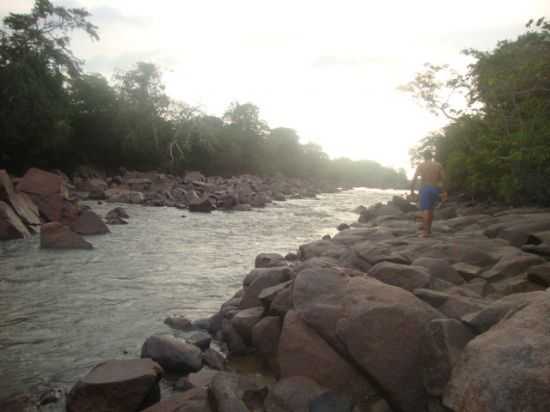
48	203
374	319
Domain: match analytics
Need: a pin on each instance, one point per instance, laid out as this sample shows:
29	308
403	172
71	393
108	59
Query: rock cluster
195	191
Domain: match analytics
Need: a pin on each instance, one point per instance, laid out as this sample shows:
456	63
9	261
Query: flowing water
61	312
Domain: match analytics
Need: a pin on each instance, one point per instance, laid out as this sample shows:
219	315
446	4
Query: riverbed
61	312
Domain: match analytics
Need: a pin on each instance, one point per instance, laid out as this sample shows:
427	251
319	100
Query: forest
56	116
496	145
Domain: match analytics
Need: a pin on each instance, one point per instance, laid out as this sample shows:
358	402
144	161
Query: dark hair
427	155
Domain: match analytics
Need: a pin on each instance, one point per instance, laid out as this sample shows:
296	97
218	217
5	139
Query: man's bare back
431	173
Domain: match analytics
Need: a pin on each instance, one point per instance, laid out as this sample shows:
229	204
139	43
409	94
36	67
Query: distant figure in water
432	189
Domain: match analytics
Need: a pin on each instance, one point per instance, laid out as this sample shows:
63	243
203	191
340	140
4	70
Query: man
433	180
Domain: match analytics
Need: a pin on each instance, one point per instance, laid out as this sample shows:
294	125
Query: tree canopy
497	144
56	116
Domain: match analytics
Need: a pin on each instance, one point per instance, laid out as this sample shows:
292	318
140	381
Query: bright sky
329	69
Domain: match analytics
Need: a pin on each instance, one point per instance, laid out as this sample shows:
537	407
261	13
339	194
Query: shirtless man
433	181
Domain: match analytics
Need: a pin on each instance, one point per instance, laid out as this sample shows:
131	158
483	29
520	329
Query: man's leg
428	219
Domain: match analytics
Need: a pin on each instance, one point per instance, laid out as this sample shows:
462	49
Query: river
61	312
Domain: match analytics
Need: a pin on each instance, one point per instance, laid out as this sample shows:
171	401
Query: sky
329	69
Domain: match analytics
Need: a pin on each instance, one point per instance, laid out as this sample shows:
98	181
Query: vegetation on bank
497	144
53	115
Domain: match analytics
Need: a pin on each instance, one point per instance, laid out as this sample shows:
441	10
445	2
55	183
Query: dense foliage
55	116
497	145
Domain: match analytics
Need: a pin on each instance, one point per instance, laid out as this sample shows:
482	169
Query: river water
61	312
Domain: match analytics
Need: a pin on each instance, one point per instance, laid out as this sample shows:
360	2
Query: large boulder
117	386
292	394
236	393
172	354
403	276
89	223
509	266
21	202
452	304
302	352
260	279
444	342
439	268
11	227
381	327
203	205
55	235
506	369
244	321
266	334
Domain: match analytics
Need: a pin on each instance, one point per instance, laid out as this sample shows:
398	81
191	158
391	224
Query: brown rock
266	334
193	400
381	327
21	202
292	394
260	279
89	223
506	369
172	354
302	352
117	386
39	182
509	266
55	235
403	276
11	227
439	268
244	321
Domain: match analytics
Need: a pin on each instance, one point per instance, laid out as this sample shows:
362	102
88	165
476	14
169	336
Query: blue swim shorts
429	196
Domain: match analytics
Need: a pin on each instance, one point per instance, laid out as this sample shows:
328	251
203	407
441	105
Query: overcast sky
329	69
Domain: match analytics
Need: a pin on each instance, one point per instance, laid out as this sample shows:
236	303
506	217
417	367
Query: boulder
266	334
244	321
260	279
200	339
403	276
117	212
302	352
11	227
230	392
124	196
203	205
281	303
321	248
235	343
89	223
266	260
439	268
445	340
172	354
178	322
505	369
376	252
22	204
510	266
213	359
117	385
468	272
55	235
292	394
540	274
453	305
381	327
40	182
192	400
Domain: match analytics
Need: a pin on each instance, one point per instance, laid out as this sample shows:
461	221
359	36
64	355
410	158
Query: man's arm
415	177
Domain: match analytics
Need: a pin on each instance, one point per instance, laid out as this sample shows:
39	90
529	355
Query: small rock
178	322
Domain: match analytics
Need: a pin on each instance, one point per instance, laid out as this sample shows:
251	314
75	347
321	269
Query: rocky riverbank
372	319
48	203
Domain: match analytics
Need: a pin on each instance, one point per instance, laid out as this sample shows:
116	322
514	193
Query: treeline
497	146
55	116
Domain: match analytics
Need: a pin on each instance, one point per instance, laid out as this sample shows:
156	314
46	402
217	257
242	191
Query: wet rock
117	212
444	342
200	339
42	398
505	369
292	394
11	227
89	223
213	359
55	235
117	385
235	343
291	257
439	268
178	322
267	260
342	226
244	321
302	352
403	276
380	327
202	205
172	354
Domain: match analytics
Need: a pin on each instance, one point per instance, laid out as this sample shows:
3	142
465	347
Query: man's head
427	155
